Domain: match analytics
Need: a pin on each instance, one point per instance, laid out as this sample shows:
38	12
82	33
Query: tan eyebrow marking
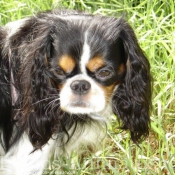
67	63
95	63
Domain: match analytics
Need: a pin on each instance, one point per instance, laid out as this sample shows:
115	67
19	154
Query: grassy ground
154	24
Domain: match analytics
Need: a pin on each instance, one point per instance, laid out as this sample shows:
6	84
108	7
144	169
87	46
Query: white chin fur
93	102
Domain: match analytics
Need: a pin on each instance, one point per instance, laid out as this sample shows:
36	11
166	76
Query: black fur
133	96
6	123
34	49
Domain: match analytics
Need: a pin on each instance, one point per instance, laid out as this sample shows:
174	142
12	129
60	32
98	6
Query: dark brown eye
104	73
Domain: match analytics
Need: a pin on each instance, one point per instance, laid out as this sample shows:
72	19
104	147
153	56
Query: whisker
44	100
50	105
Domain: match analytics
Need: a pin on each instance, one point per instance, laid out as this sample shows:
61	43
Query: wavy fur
132	99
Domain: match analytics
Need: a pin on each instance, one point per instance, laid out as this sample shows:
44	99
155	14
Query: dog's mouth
79	106
80	103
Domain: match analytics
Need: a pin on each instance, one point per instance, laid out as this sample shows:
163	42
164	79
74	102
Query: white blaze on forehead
85	55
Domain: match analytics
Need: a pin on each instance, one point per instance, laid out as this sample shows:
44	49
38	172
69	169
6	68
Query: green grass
154	24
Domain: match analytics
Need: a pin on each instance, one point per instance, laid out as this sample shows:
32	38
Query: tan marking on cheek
67	63
95	63
108	90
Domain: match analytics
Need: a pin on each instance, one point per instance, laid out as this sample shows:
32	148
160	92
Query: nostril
85	85
75	85
80	86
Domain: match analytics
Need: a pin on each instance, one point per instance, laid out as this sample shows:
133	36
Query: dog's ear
36	88
132	98
40	120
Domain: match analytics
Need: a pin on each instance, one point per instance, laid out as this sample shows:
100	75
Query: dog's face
88	78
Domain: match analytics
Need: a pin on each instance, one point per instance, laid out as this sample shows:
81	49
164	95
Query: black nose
80	86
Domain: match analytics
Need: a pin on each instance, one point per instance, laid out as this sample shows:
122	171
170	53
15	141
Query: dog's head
76	65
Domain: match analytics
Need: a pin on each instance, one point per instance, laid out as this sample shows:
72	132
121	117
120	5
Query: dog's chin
81	107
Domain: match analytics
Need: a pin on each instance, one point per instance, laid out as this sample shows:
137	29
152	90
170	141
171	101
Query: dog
63	74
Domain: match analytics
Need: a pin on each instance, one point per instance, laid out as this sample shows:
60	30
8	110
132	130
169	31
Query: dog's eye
103	73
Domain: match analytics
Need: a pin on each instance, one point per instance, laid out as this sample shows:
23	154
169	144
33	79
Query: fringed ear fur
132	99
42	119
38	96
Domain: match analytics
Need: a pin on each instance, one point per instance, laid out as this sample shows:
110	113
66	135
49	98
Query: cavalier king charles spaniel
63	74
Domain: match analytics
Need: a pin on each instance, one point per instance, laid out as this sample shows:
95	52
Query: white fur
85	55
21	161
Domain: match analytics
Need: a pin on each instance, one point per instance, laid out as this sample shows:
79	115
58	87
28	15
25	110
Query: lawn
154	25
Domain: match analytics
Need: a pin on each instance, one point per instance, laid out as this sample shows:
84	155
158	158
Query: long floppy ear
132	99
39	123
38	114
